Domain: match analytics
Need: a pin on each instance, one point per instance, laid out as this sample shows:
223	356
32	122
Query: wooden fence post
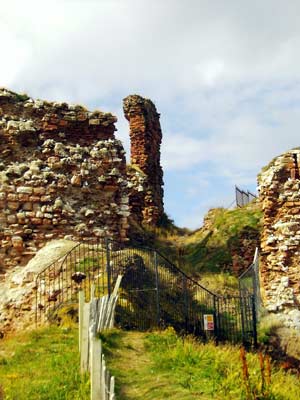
103	376
80	315
95	316
112	388
84	354
92	292
96	352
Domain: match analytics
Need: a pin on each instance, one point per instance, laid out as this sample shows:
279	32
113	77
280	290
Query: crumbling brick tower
145	136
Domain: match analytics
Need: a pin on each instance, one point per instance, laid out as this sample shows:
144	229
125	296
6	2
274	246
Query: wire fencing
249	283
154	293
243	197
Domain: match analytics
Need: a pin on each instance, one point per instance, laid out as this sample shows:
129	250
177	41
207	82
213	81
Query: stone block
12	197
22	197
46	199
13	205
76	180
34	199
39	191
36	221
25	189
11	219
27	206
17	243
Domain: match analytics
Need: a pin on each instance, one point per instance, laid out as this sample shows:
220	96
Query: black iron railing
249	283
243	197
54	284
154	292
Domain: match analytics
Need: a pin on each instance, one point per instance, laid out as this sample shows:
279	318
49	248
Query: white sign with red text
209	324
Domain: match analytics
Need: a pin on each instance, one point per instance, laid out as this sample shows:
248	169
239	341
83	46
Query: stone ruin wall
279	187
62	175
243	250
145	172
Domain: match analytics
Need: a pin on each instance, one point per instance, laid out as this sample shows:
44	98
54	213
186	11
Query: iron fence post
256	284
242	318
216	316
36	303
186	306
108	269
254	322
157	289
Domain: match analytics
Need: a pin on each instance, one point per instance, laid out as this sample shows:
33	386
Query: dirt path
130	363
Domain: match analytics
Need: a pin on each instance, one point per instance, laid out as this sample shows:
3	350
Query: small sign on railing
209	324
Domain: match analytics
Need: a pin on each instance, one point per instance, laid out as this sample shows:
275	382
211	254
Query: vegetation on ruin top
207	253
208	247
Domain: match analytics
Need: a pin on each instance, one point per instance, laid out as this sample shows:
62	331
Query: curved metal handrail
173	266
100	260
60	262
57	260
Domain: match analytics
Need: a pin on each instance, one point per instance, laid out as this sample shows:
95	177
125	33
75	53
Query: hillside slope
225	242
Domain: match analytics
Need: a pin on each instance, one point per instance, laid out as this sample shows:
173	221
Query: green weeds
42	365
210	248
163	365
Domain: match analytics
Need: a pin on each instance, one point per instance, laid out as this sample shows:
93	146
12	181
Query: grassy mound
218	252
226	234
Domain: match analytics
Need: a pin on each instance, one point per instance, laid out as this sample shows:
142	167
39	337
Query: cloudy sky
224	74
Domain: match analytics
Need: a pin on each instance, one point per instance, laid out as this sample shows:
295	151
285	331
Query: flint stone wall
62	175
279	187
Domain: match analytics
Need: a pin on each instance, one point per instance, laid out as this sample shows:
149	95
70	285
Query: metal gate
154	293
249	283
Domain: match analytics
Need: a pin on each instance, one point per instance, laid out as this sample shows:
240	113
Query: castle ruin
279	187
63	173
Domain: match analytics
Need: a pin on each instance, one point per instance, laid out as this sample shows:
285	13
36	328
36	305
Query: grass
222	283
21	96
210	248
229	222
163	237
267	327
162	365
42	364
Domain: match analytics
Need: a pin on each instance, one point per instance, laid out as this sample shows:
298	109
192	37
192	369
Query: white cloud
92	48
181	152
226	75
15	55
